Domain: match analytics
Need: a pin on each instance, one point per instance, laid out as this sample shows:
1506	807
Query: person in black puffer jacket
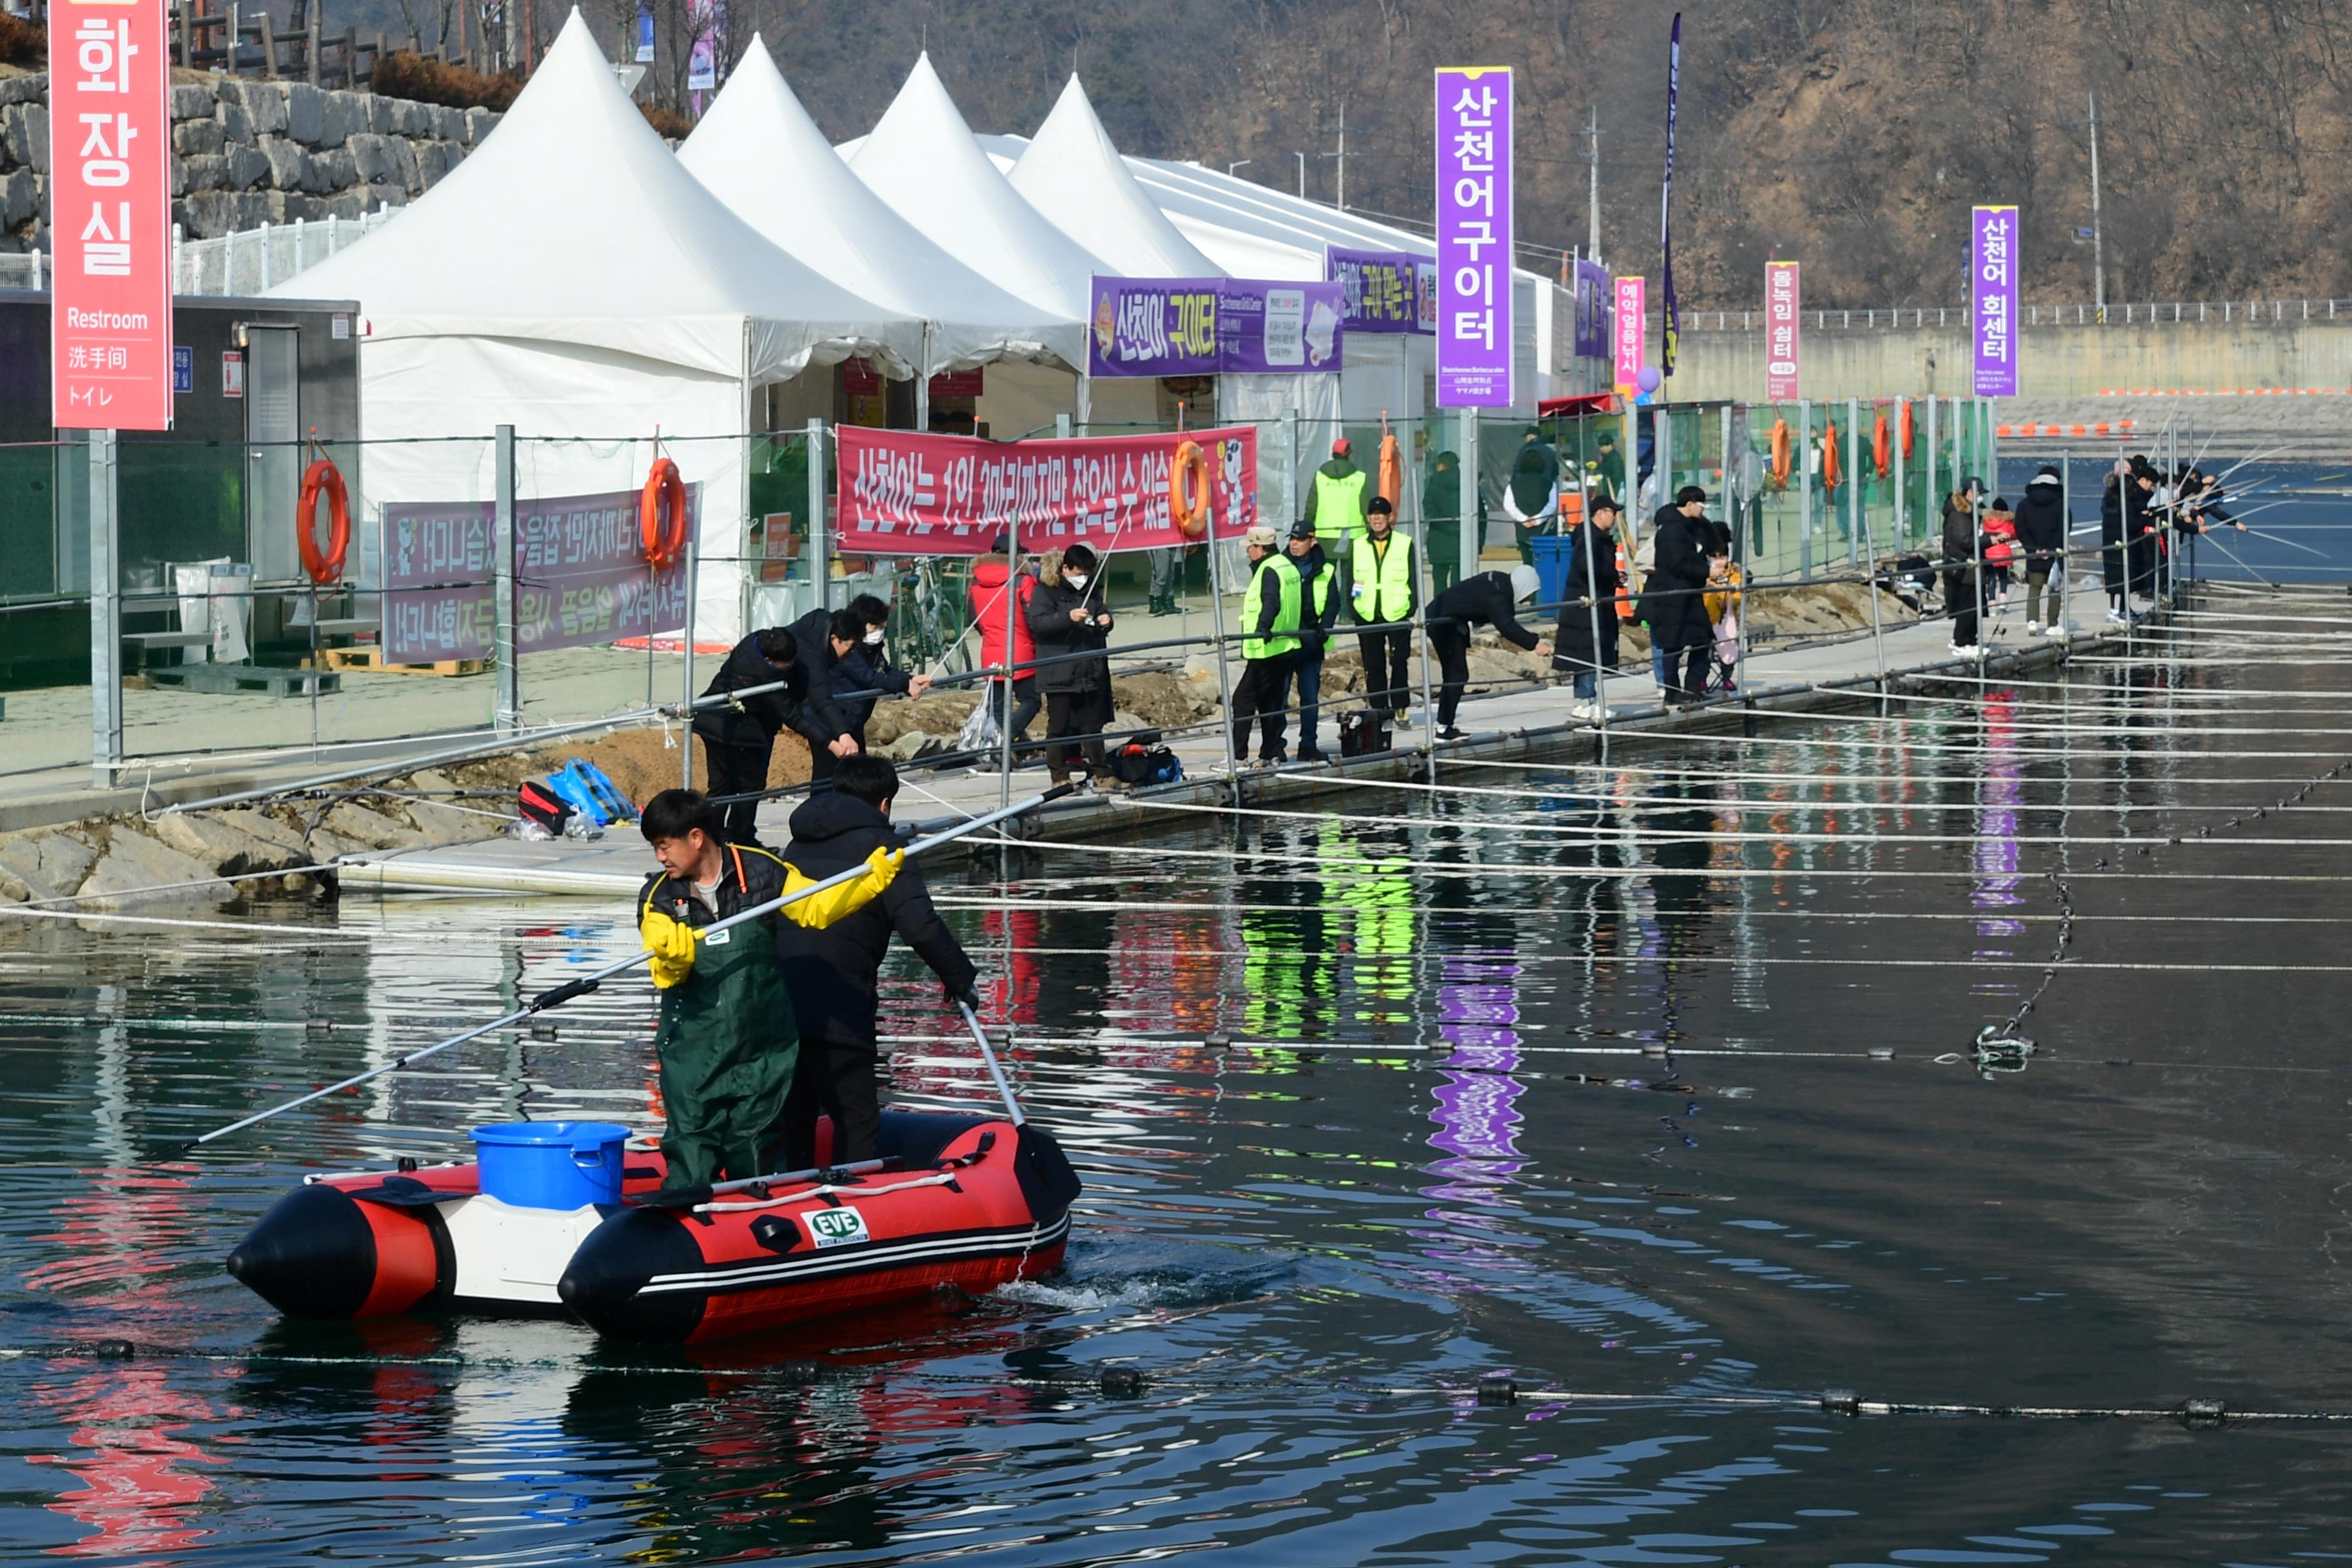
738	737
1963	548
2041	535
1672	601
831	974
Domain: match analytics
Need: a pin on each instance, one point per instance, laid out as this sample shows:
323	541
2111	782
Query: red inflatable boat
961	1200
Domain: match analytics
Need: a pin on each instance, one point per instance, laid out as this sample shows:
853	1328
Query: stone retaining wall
248	152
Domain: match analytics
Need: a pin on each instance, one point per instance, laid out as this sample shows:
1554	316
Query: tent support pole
502	555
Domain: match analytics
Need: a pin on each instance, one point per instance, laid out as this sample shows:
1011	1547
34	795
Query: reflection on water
1571	1079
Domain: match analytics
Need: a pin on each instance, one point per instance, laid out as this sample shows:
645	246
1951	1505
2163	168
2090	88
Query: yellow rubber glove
822	909
671	942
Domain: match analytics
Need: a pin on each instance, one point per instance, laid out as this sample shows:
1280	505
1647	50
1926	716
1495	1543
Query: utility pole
1592	199
1302	175
1340	157
2099	238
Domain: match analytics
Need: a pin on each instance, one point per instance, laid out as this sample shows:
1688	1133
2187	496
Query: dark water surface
1571	1079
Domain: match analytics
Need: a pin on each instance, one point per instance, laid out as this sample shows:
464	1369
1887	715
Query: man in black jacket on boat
738	737
831	974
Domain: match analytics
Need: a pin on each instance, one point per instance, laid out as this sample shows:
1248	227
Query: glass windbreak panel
180	503
28	520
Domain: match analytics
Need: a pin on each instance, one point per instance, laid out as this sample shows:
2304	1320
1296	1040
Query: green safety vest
1287	588
1382	579
1338	505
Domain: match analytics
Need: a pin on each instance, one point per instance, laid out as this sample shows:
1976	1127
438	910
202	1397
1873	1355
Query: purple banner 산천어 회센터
581	577
1380	290
1474	329
1992	301
1202	326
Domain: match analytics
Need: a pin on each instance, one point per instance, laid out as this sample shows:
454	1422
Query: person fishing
2041	525
727	1043
1482	599
1589	605
739	738
831	970
826	640
1672	601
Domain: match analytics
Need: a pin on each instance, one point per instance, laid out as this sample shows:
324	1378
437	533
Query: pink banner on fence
901	493
111	197
1633	316
1781	307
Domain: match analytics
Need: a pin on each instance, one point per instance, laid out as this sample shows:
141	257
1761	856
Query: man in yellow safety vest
1382	593
1270	613
1340	501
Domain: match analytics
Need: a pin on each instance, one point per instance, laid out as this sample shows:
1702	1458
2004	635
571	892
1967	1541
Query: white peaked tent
922	160
760	153
571	281
1072	173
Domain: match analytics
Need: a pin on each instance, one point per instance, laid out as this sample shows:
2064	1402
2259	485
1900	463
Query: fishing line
1124	1381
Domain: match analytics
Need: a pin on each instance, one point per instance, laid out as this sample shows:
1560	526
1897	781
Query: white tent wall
604	408
1267	402
1018	400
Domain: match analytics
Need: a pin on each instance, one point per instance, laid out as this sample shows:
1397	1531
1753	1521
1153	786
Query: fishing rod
573	989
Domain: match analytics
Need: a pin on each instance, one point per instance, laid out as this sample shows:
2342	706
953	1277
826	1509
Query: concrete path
1508	724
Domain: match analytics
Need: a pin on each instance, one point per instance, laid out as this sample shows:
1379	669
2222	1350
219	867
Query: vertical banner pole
1804	488
820	567
105	614
508	713
686	660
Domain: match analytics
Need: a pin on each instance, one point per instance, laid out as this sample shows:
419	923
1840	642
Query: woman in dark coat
1673	603
1067	616
2113	569
1591	574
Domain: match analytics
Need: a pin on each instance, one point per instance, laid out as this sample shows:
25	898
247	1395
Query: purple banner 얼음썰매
1202	326
581	577
1473	236
1379	289
1992	301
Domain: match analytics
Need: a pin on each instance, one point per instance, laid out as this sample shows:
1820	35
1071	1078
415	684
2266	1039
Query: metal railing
255	260
2147	312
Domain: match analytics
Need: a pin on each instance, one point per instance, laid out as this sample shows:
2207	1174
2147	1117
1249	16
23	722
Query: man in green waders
726	1042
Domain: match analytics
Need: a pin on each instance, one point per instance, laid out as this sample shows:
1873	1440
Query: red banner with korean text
901	493
110	207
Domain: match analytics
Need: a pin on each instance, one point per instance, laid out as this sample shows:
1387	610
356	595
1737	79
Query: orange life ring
1880	457
1832	475
1187	490
664	542
1781	454
1906	429
323	567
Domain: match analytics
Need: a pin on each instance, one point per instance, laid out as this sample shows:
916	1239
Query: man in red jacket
988	579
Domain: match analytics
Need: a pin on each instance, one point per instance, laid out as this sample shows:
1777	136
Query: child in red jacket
2000	550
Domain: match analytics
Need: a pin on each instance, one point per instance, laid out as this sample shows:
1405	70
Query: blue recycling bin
1553	554
552	1164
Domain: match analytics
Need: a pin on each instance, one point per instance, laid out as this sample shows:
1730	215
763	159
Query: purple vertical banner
1473	236
1992	299
1594	304
1672	340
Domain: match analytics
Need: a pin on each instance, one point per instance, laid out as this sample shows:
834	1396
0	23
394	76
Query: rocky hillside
250	152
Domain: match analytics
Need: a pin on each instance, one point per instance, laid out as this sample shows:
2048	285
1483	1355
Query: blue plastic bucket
1553	553
552	1164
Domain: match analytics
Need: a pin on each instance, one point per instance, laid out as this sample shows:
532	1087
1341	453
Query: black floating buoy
1841	1402
1882	1053
2203	1410
542	1031
1217	1042
103	1350
1497	1388
316	1026
1121	1383
799	1371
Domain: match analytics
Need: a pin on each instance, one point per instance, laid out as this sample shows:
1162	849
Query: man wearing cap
1270	616
1484	599
1381	584
1340	501
1318	606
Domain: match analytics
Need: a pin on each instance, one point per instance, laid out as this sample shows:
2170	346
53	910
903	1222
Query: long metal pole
1592	541
2063	569
1877	632
995	1070
820	567
105	614
1902	500
572	989
1592	195
2099	231
1217	623
1804	488
502	587
1852	478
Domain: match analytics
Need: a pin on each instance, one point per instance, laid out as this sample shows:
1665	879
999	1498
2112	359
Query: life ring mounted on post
1781	454
1187	490
1880	457
322	567
663	539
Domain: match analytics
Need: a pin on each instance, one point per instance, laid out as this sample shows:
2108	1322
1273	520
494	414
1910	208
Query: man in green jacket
1270	617
1341	500
1440	515
728	1043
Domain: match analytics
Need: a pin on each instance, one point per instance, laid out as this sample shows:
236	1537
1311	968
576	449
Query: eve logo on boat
836	1227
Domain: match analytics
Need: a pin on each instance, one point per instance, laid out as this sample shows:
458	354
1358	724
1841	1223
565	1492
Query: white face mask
874	637
1075	579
